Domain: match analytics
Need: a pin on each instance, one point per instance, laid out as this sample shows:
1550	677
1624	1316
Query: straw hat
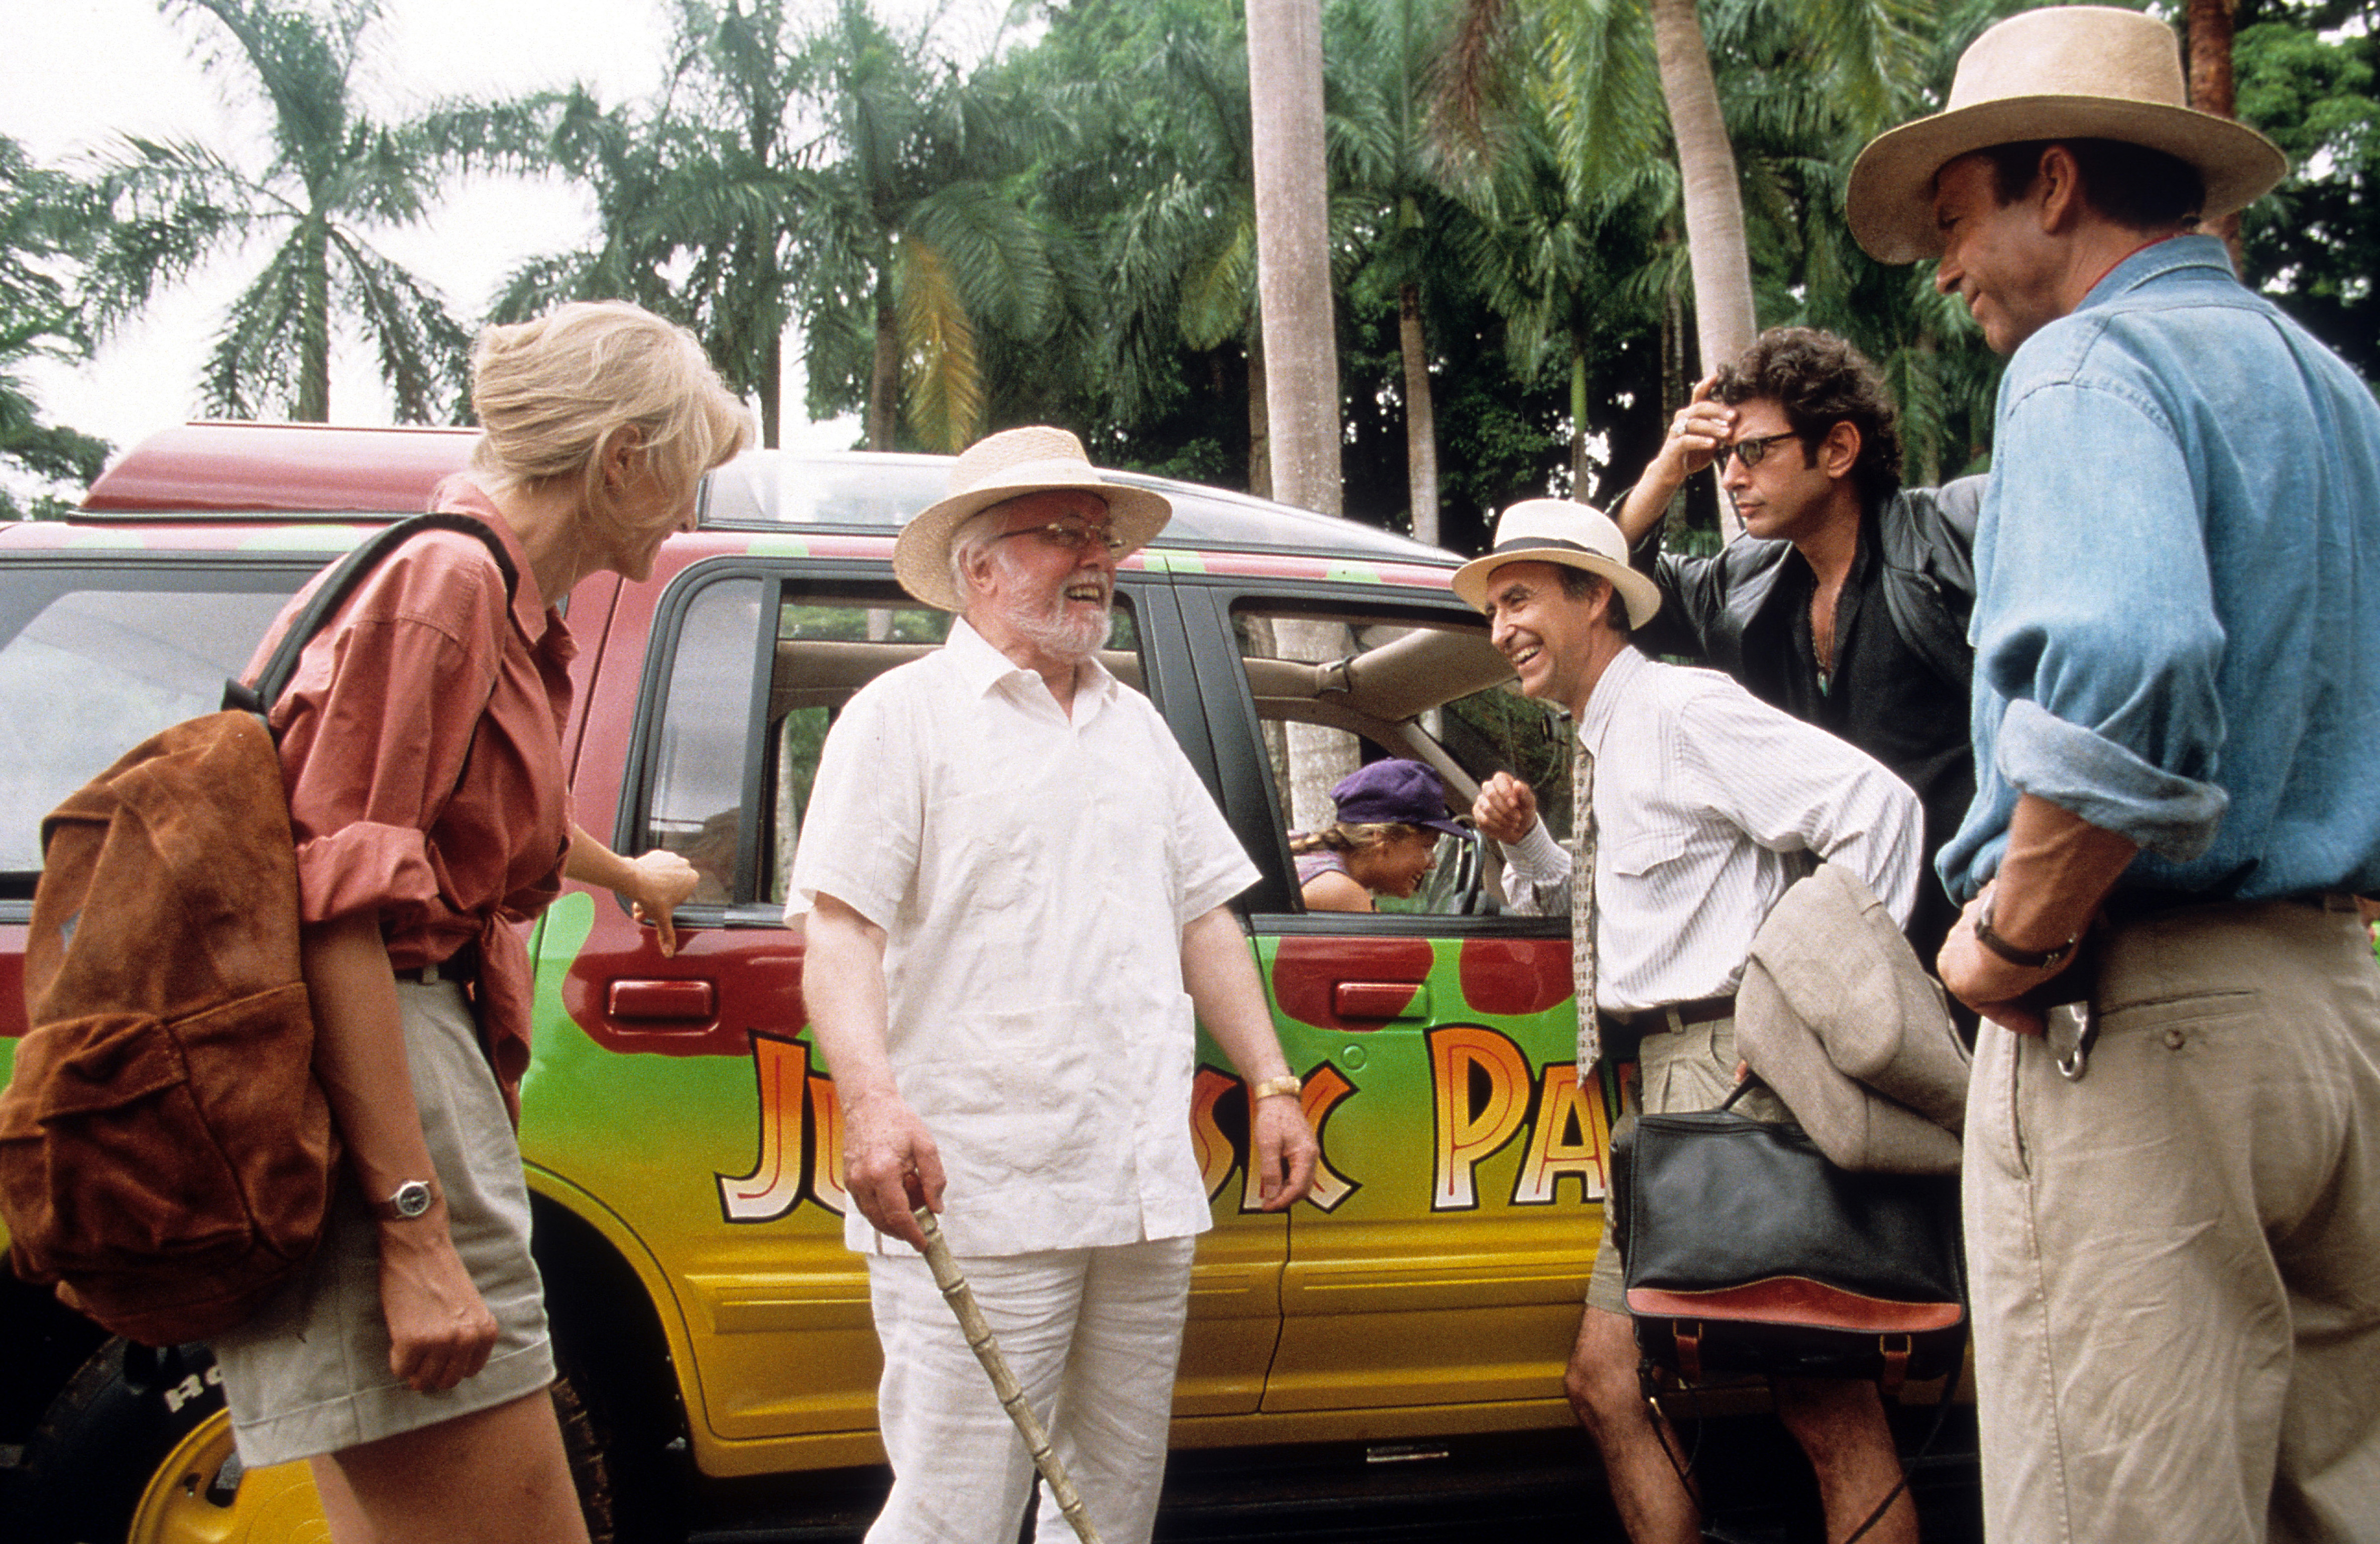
1005	466
1575	535
2068	72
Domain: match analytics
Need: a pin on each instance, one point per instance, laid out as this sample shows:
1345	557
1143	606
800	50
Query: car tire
137	1447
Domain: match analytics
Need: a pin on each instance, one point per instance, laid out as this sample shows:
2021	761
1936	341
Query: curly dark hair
1820	380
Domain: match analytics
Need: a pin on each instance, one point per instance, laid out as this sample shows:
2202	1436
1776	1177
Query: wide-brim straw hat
1575	535
2068	72
1005	466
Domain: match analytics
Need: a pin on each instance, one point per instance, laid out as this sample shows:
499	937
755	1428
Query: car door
1444	1253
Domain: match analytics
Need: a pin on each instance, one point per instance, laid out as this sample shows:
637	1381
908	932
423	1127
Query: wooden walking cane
961	1297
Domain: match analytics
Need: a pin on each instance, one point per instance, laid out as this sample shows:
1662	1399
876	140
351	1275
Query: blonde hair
552	395
1342	837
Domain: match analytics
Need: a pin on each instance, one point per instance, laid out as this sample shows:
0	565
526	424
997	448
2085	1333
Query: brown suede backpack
166	1155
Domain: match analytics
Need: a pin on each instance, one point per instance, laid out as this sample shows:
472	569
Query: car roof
279	471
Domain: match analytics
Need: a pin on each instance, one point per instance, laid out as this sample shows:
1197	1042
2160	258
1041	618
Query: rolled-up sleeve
380	721
2105	643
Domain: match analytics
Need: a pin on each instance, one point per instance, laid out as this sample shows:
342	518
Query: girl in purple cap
1389	816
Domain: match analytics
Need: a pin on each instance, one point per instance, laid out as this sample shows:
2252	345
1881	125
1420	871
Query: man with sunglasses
1015	891
1845	603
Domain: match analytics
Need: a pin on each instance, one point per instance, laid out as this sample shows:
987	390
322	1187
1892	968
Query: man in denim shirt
2173	1214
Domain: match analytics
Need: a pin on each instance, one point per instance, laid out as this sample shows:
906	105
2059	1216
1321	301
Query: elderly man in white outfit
1015	887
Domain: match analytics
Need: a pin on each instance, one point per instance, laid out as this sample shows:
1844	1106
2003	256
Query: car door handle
679	998
1381	1000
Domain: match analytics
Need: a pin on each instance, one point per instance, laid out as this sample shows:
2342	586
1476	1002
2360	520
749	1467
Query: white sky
75	74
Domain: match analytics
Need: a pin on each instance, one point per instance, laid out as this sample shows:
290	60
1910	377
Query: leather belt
1671	1017
461	966
2133	906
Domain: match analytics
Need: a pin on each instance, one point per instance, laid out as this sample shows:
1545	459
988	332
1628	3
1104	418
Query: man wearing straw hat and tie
1016	891
1699	804
2172	1195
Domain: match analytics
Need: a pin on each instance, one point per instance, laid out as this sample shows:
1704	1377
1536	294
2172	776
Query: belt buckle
2068	1028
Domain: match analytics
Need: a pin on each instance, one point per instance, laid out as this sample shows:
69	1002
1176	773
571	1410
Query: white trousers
1094	1336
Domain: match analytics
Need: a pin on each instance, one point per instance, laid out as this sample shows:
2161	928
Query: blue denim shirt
2176	624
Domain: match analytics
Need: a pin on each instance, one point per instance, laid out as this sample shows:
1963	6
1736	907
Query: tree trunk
314	328
1724	323
1581	474
884	372
1293	252
1260	432
1421	416
2210	88
772	393
1301	351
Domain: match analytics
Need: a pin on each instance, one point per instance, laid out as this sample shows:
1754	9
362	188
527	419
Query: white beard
1056	629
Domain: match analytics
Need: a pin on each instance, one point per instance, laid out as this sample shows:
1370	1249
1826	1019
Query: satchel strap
1745	1085
351	571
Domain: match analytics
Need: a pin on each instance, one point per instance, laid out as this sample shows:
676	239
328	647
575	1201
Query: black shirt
1747	611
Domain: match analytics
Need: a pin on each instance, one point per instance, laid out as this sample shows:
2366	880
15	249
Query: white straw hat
1005	466
1575	535
2068	72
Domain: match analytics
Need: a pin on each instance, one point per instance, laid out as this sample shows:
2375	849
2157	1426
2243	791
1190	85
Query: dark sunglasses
1753	452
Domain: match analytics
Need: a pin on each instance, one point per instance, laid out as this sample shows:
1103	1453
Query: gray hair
973	539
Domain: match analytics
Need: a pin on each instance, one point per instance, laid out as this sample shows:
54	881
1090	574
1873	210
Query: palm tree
333	170
1852	63
917	238
1387	163
1184	249
696	197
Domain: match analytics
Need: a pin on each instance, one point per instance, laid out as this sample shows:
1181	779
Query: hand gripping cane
961	1297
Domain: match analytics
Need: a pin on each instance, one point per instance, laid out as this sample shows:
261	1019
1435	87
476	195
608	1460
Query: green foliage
1065	232
46	219
2311	244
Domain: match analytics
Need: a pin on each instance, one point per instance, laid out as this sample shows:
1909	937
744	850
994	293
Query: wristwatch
1271	1085
407	1202
2025	959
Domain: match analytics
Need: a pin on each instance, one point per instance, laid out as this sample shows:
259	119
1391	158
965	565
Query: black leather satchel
1748	1252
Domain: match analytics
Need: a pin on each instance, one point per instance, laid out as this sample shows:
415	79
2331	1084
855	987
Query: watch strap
2025	959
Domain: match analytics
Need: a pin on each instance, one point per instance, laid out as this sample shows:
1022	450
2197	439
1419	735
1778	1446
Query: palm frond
943	388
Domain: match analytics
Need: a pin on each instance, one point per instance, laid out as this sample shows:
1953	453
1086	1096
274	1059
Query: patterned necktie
1582	907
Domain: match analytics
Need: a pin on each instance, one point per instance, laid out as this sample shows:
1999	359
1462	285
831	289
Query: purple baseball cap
1395	791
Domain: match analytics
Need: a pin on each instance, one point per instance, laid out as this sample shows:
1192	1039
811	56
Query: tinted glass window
731	800
101	661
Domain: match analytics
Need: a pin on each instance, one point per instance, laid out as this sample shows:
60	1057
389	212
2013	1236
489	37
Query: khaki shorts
309	1373
1692	1068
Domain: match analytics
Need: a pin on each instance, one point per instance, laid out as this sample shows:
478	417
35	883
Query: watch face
411	1199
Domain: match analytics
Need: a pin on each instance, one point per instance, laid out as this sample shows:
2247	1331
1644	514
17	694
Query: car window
102	660
730	799
1335	689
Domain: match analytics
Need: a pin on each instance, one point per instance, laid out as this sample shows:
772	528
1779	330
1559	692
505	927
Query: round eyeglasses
1070	536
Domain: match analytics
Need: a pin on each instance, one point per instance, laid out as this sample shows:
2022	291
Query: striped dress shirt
1707	803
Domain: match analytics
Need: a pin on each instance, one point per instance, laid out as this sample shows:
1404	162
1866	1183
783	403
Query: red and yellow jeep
679	1129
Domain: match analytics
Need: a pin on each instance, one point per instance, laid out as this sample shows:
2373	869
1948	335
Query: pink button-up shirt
421	746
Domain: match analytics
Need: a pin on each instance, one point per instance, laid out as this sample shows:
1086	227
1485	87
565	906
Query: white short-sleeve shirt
1032	874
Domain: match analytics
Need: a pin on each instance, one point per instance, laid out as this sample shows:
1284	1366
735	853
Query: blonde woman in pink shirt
420	742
